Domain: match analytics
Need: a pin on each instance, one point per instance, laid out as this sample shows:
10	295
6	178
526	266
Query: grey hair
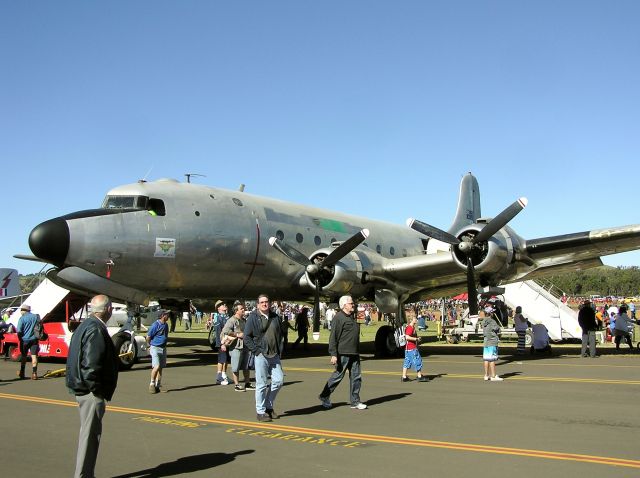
100	304
343	300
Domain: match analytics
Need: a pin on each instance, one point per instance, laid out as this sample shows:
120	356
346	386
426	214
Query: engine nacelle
492	259
345	277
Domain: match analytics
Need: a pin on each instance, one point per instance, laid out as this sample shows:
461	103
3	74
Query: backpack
38	330
401	338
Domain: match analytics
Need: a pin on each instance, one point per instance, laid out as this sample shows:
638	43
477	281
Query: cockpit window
144	203
125	202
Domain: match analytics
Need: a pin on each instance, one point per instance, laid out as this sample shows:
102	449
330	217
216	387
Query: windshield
125	202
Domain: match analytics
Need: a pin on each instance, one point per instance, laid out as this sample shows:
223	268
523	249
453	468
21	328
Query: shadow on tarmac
187	464
320	408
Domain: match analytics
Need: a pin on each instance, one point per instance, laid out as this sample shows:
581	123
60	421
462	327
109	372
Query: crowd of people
255	341
92	365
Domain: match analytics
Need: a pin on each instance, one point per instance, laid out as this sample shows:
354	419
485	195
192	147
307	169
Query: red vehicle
58	324
62	311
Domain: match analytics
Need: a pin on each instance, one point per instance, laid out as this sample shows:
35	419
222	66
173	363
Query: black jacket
92	363
345	336
254	338
587	319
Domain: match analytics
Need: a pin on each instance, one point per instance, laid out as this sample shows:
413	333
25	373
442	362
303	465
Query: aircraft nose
50	241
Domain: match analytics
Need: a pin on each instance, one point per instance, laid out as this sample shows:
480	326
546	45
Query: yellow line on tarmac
550	455
479	376
590	364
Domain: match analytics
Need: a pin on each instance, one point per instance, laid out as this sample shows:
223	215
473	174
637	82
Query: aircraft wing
583	246
439	274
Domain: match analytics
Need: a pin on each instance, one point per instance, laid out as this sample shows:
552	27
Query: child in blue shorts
412	356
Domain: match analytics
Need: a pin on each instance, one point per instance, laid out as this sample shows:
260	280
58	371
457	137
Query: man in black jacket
344	348
263	337
588	324
92	376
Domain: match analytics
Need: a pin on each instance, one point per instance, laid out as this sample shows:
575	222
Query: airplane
11	295
176	242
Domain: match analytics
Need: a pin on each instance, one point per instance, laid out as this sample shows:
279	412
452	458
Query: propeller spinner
470	244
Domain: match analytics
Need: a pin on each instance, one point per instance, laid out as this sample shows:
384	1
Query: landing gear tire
386	342
121	343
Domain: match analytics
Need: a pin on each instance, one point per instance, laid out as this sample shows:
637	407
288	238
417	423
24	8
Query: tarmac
553	416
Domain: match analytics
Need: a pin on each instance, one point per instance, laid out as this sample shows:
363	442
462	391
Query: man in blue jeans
262	336
344	348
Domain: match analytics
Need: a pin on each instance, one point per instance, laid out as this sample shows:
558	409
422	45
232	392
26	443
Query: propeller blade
432	232
501	220
472	292
316	309
345	248
291	252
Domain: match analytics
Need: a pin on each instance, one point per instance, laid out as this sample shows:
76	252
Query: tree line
604	280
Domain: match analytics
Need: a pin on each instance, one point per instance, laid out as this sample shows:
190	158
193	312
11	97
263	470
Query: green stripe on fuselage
331	225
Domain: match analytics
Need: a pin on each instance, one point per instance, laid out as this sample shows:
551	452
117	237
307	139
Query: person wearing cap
157	339
490	331
588	324
28	341
219	319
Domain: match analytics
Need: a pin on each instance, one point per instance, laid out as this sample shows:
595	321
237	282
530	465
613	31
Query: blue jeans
265	395
351	363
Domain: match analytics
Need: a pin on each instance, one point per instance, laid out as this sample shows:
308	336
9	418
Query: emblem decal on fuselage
165	247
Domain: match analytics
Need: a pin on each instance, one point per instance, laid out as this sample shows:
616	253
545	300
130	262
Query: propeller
470	244
320	266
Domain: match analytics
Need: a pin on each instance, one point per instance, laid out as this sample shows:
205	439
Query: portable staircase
541	303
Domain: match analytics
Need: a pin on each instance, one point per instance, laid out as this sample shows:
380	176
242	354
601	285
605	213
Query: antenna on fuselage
144	180
188	176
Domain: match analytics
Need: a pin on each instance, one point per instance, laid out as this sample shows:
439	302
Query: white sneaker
486	377
224	381
497	379
359	406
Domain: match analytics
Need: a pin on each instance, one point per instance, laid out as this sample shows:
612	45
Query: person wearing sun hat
490	331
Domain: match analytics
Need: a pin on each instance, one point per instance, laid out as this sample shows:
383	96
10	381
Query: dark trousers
346	362
620	334
302	336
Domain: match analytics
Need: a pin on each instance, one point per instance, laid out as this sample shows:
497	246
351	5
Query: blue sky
368	107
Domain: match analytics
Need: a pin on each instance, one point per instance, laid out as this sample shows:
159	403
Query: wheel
122	343
528	339
385	342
